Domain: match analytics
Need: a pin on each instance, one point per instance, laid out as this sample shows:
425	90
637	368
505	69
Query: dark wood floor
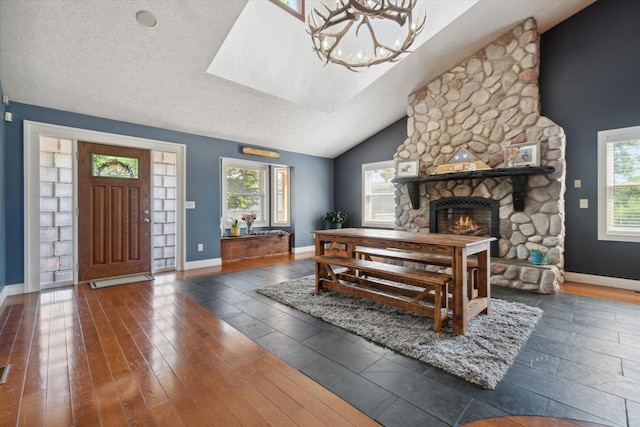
153	353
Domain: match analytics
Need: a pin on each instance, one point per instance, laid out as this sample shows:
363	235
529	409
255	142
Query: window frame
367	167
268	191
297	13
274	196
605	186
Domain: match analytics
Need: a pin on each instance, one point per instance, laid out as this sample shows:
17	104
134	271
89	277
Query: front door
114	202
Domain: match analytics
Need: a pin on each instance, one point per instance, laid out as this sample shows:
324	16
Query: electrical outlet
200	247
577	183
584	203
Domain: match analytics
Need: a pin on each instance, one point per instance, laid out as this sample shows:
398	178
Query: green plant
337	217
234	222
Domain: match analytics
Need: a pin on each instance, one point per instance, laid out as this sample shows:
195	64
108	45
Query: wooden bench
433	287
422	258
254	246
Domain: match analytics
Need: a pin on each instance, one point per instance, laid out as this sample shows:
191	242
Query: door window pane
114	166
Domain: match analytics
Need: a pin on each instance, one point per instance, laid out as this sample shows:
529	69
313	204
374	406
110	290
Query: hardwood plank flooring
146	354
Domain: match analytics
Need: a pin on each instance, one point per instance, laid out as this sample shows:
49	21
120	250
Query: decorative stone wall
486	103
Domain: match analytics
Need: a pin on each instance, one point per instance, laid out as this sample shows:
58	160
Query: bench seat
428	296
421	258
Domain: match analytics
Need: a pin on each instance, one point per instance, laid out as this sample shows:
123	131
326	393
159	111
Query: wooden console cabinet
254	246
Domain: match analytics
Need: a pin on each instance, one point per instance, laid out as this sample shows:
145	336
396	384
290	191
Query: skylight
294	7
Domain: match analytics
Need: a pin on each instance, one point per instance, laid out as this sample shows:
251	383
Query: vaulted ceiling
233	69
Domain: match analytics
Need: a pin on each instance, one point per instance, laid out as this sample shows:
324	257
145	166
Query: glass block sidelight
56	207
164	205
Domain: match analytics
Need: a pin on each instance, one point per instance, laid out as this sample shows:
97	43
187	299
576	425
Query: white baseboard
213	262
304	249
612	282
9	290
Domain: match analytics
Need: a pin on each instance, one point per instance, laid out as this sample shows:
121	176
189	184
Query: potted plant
235	227
538	256
334	219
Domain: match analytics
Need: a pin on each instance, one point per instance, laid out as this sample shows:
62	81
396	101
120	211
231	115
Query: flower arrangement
248	219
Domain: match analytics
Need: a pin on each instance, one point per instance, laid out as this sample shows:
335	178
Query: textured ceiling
92	57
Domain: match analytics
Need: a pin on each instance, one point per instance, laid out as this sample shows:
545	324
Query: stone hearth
486	103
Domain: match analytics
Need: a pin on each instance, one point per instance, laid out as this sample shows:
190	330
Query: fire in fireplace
465	225
472	216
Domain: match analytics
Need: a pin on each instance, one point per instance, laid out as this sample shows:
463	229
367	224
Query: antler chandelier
337	34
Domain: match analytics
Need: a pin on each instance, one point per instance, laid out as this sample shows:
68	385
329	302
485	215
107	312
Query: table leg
319	251
459	272
484	278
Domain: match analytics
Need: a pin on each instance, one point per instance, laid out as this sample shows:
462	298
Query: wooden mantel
519	177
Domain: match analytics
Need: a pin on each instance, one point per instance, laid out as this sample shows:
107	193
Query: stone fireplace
485	104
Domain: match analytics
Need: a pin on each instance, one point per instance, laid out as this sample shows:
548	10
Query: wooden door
114	221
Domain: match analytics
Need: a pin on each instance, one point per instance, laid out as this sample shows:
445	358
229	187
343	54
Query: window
378	198
256	187
294	7
619	184
280	196
114	166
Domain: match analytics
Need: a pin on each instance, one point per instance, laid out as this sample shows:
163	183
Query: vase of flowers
248	219
235	227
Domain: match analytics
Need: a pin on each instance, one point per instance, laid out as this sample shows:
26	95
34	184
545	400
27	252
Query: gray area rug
481	356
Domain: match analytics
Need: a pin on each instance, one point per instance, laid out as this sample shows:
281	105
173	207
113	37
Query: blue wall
312	183
589	82
348	168
3	244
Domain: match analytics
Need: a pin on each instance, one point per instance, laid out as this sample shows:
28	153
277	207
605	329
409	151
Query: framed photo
407	168
525	154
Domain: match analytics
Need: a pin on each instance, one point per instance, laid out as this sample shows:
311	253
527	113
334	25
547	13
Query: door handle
146	220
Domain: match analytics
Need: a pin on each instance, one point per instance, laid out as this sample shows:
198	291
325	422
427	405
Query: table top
453	240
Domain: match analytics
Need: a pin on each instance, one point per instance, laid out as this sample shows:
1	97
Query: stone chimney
486	103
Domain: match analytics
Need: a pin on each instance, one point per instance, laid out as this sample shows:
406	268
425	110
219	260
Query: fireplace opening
470	216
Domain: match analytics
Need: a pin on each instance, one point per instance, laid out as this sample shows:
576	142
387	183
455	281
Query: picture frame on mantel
407	168
525	154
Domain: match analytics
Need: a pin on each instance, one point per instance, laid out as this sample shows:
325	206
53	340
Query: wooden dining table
458	247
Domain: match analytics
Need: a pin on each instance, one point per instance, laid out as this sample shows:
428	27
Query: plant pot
328	225
235	231
538	258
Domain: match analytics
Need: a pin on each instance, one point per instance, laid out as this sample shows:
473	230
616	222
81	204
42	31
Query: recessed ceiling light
146	18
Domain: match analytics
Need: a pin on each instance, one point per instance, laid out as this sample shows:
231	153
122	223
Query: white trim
32	132
605	232
213	262
9	290
303	249
387	164
265	190
612	282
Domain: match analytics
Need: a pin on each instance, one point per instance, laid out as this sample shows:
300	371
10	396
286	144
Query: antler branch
325	41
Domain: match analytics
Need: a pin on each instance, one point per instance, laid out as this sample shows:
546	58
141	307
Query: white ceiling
264	86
